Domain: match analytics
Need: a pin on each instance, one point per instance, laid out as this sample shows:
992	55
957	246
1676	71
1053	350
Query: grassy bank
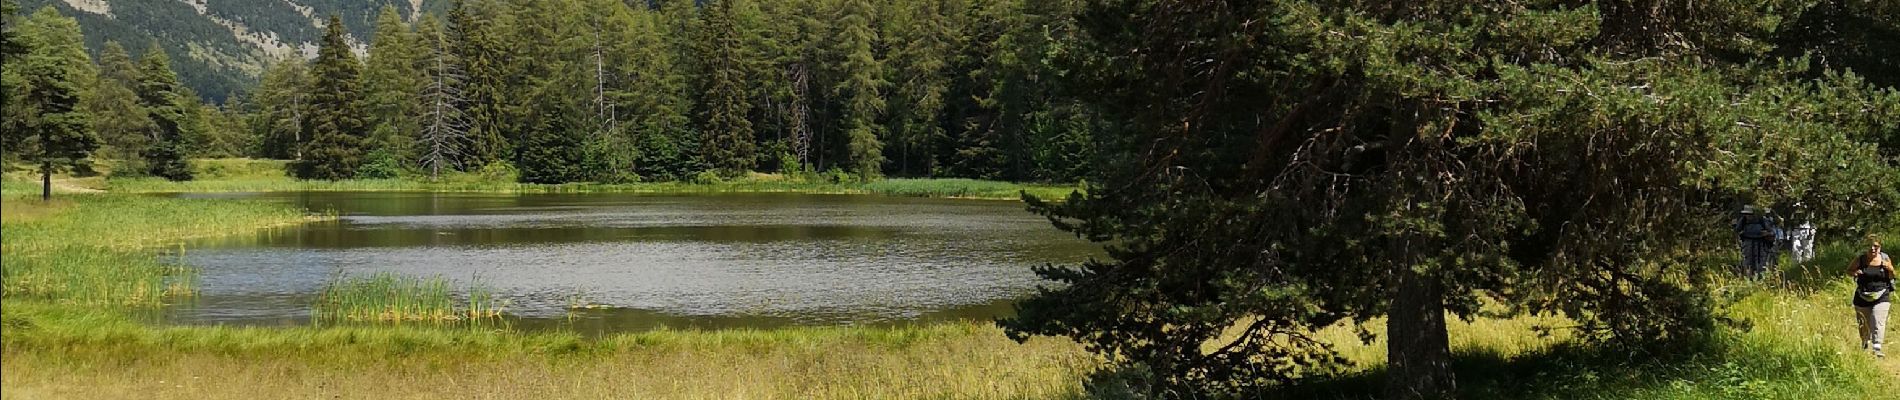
247	175
102	250
78	269
63	353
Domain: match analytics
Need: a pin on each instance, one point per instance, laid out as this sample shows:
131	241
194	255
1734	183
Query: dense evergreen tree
978	135
666	90
927	39
222	131
552	130
391	82
48	127
861	89
336	122
479	42
12	111
9	40
651	99
1341	162
172	114
282	109
916	88
729	142
119	120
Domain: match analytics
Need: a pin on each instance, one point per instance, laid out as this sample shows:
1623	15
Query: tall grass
54	350
103	249
95	277
389	298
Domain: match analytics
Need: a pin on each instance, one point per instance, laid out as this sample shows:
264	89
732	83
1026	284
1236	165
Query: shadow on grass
1713	370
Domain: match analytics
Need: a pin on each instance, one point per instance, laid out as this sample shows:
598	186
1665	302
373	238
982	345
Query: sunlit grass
96	277
103	250
1795	340
113	357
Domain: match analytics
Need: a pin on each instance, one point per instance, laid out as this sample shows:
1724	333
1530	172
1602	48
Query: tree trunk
46	180
1418	350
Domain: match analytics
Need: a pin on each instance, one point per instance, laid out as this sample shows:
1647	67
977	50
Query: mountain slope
219	46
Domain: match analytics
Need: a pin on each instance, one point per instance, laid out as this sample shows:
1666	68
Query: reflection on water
708	261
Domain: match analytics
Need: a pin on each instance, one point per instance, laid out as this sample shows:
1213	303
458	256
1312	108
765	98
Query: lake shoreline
958	189
253	175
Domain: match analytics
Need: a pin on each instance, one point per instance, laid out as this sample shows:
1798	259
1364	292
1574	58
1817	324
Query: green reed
389	298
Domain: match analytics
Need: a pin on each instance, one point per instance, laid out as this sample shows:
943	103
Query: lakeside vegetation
97	250
253	175
389	298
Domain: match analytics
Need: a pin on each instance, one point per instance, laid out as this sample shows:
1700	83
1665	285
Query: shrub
708	177
498	171
836	175
381	164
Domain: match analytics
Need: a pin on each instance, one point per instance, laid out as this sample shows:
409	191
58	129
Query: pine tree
729	138
51	129
861	89
122	124
444	127
222	133
922	81
477	40
550	112
336	123
283	104
391	81
808	117
1011	84
10	45
653	99
171	113
11	112
1411	162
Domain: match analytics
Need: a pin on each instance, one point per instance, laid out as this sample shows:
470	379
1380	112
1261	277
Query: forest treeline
600	90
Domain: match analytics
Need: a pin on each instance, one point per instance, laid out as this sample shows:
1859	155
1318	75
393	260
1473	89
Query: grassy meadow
80	269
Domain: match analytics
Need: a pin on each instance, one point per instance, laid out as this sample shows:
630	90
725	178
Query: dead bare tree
444	125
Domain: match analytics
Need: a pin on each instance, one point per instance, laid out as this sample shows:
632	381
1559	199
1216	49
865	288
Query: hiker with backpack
1757	233
1873	285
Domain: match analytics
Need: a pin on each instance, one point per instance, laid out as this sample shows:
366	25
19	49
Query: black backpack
1756	227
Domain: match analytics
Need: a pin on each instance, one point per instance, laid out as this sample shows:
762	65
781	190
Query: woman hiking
1873	285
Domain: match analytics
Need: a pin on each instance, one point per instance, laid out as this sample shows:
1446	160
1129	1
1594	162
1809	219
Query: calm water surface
697	261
